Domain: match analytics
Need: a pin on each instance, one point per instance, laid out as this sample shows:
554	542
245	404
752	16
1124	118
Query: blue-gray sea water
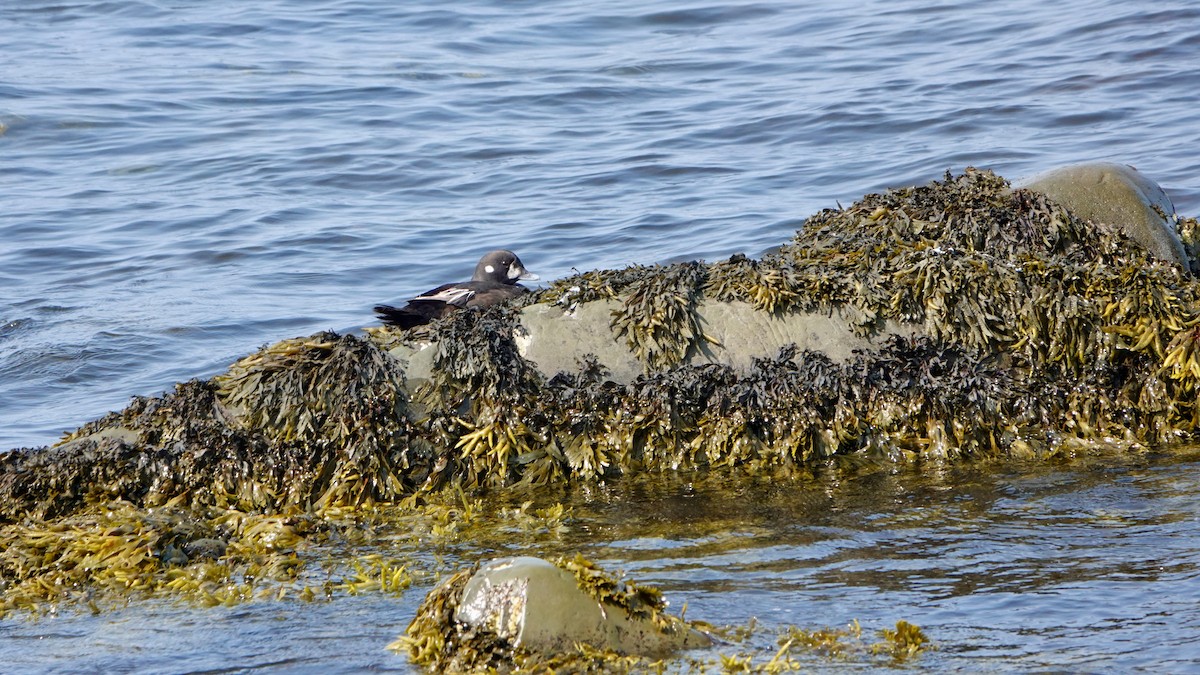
182	181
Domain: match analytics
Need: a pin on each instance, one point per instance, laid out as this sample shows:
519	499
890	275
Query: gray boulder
534	604
1119	195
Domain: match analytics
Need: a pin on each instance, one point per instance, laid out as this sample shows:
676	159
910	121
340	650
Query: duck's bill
519	273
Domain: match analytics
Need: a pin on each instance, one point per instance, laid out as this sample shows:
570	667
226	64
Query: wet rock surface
546	609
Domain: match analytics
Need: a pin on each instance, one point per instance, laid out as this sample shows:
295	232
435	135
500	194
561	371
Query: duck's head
502	267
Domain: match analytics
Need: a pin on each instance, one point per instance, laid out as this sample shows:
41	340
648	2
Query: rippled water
1089	565
184	181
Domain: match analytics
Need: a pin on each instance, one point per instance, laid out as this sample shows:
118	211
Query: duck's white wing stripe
451	296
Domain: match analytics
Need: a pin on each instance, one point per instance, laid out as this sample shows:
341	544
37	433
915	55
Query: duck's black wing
450	294
405	317
428	306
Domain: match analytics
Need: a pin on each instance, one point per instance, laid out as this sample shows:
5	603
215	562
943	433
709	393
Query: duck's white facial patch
489	269
515	271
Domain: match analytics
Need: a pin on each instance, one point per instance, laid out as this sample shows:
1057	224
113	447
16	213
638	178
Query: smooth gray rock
556	339
537	605
1119	195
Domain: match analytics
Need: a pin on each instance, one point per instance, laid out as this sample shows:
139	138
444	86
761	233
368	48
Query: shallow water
184	181
1087	565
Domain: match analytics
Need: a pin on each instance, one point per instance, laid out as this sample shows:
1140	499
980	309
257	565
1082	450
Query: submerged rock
535	604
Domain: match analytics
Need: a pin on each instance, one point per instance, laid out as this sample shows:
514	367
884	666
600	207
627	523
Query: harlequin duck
495	281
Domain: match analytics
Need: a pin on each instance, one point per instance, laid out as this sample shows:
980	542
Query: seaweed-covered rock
1120	195
535	614
957	318
545	607
733	332
317	420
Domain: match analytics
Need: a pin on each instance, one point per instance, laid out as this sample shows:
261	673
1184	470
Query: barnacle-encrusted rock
533	613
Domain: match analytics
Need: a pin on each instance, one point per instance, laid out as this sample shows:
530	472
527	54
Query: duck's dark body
495	281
